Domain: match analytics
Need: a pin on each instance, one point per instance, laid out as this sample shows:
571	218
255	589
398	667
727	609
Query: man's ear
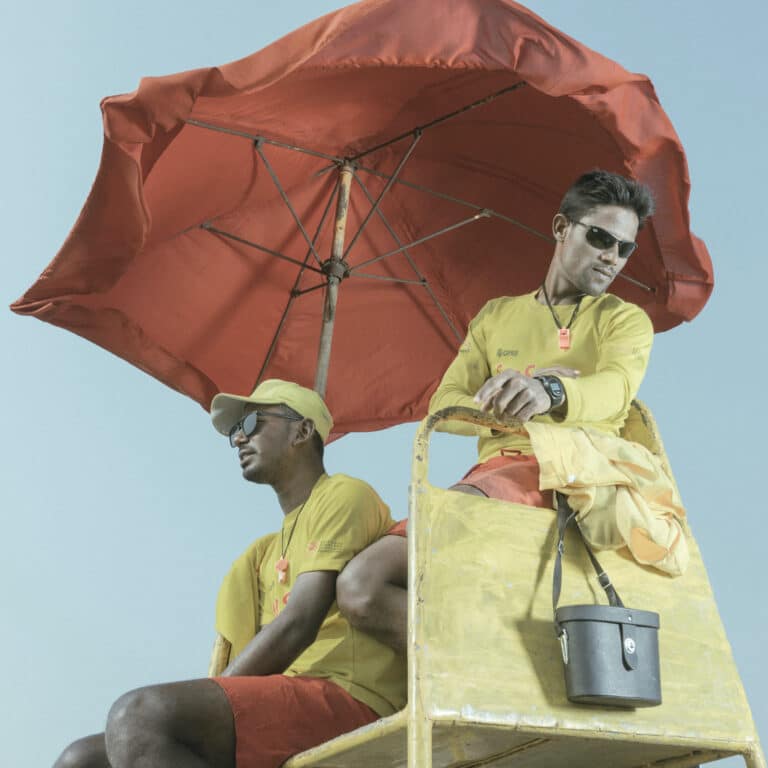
304	431
560	226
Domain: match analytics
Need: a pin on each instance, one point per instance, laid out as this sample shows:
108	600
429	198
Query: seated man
301	674
568	353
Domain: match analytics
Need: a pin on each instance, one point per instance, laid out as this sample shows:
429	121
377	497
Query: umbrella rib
215	230
303	292
390	181
441	119
303	150
422	280
459	201
273	343
479	215
517	223
636	282
257	137
294	291
270	170
388	279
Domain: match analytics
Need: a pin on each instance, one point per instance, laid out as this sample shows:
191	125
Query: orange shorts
512	477
277	716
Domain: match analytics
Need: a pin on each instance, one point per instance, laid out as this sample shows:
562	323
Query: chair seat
384	745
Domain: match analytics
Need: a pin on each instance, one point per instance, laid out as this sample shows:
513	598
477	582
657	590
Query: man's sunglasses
250	423
603	240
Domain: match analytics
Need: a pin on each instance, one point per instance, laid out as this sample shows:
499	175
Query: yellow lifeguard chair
485	675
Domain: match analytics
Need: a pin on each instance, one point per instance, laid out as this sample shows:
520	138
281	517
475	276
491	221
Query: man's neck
559	291
297	489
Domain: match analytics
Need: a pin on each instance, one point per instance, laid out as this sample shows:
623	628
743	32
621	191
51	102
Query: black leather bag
610	652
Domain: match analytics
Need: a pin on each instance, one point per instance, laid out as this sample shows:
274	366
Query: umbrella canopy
406	154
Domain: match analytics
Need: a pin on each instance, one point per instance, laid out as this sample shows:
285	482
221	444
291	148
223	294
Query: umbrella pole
336	269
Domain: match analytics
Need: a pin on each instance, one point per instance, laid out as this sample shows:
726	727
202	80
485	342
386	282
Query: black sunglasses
603	240
250	423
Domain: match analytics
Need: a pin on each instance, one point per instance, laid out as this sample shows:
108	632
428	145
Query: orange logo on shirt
276	608
529	369
312	546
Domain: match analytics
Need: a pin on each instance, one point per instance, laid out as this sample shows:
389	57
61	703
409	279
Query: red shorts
508	477
277	716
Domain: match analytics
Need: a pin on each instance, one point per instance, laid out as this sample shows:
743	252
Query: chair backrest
483	649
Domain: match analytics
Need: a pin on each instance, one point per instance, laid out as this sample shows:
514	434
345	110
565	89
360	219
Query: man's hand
512	394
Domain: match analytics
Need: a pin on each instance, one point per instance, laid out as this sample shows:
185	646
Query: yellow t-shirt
610	344
342	516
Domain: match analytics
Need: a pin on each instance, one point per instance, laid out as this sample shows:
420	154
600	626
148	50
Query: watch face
554	388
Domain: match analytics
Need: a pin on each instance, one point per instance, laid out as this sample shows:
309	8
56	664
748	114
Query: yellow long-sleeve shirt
610	344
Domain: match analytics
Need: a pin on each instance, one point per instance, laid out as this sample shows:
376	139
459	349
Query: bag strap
566	516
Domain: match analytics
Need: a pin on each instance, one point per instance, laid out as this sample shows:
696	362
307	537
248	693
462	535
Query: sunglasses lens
599	238
625	249
250	423
603	241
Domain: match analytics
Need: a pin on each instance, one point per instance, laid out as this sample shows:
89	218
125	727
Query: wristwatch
554	388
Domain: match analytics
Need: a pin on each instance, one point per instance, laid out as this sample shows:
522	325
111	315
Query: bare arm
280	642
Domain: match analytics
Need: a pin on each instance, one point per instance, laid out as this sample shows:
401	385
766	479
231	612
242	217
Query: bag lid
607	613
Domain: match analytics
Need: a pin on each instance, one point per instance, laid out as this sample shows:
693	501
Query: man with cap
299	673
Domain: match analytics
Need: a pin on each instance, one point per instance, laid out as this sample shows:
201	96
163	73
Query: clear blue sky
121	508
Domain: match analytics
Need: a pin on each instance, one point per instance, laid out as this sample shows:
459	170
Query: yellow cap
227	410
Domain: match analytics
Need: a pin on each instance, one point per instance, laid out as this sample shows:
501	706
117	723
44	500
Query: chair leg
755	758
419	742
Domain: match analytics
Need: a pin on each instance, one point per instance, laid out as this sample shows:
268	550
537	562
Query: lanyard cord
281	566
554	316
293	528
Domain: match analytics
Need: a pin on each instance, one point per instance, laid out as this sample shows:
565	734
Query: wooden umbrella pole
336	269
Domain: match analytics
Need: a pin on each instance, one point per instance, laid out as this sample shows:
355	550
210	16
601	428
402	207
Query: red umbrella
404	155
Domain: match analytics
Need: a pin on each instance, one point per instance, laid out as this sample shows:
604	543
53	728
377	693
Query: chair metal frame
503	704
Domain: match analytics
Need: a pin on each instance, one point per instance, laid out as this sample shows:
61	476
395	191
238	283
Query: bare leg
371	590
184	725
90	752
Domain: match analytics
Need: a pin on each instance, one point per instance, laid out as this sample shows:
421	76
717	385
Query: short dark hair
605	188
